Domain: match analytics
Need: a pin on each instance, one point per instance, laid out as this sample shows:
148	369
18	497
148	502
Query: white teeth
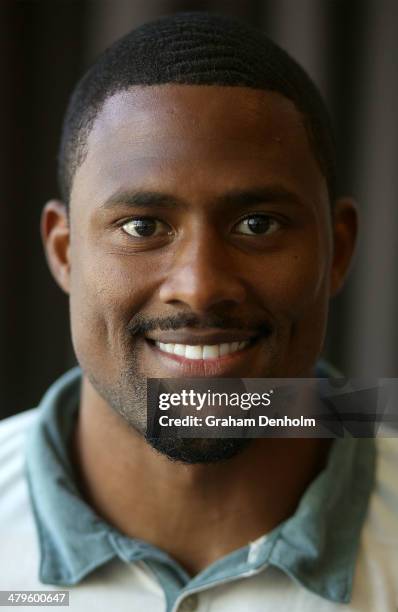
198	351
211	352
224	349
194	352
179	349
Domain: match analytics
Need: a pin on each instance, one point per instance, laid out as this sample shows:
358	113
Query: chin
198	450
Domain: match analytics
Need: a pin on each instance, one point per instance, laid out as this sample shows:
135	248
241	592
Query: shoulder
383	507
377	567
12	427
13	431
17	529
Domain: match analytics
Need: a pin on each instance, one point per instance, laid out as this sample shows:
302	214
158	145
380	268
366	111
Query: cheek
294	288
293	281
106	292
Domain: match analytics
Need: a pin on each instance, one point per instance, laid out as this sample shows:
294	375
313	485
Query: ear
345	230
55	234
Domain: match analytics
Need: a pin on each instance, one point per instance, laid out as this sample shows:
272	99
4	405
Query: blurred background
350	48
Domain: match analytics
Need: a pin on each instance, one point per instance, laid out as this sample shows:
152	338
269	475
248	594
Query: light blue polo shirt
316	547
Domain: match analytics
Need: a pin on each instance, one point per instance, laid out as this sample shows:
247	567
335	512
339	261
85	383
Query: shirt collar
317	546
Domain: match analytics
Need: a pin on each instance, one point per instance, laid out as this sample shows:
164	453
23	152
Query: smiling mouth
202	351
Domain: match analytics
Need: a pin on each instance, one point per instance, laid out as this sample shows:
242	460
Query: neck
197	513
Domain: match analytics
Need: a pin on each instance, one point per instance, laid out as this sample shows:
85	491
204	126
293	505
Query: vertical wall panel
372	335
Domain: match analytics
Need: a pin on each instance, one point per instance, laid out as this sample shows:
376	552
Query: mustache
141	324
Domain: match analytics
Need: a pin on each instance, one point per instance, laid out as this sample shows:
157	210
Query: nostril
202	294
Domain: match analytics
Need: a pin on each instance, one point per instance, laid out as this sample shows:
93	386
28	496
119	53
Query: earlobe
345	230
55	234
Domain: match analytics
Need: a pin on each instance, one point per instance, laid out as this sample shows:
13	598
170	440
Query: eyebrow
233	198
142	199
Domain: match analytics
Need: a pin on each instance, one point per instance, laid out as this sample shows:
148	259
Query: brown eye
256	225
145	227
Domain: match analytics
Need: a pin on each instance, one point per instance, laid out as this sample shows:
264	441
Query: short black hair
193	48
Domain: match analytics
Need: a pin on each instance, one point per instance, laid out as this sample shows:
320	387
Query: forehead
177	133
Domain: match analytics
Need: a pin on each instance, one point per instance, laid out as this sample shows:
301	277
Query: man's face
199	218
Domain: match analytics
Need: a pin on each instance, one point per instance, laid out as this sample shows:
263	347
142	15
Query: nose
203	276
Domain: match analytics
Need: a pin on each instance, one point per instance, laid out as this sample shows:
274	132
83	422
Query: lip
176	366
196	337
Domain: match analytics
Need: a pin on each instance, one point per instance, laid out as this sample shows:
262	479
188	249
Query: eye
146	227
255	225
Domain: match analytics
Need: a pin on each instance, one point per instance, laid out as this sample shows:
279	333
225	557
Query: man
199	235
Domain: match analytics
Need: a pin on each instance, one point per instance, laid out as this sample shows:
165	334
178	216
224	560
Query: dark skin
196	144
